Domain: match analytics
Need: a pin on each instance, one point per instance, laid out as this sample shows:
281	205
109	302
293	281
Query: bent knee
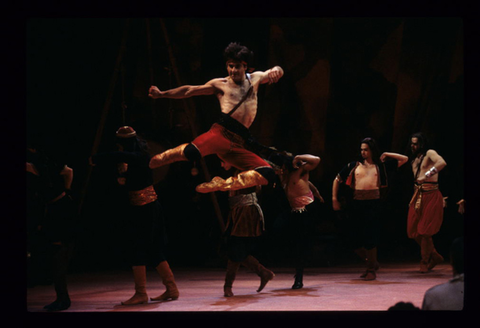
191	152
268	173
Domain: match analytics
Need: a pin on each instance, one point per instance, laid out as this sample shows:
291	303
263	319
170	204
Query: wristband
431	172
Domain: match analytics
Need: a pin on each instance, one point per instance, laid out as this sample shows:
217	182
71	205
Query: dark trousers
144	235
301	226
364	221
238	248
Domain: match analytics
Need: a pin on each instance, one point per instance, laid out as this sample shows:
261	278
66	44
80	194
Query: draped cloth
246	216
425	213
298	203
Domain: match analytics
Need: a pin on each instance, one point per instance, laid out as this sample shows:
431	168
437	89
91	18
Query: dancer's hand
154	92
31	168
297	163
274	74
461	206
336	205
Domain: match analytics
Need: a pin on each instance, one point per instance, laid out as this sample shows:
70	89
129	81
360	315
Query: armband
431	172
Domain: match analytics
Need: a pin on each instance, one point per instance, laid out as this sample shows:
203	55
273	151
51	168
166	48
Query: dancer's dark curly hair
236	51
282	159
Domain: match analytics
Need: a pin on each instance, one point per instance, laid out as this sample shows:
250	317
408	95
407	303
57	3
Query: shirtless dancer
301	194
294	173
366	178
425	213
226	138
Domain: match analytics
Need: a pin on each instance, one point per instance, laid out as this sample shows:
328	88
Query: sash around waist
420	189
366	194
426	186
242	200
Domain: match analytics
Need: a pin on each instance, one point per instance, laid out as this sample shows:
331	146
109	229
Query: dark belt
234	126
238	133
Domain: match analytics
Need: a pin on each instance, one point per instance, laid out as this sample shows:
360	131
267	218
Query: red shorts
428	219
229	147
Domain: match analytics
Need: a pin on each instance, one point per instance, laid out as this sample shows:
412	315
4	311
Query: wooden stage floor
201	290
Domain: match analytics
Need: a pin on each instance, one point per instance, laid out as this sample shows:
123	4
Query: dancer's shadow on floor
370	282
138	307
305	291
238	300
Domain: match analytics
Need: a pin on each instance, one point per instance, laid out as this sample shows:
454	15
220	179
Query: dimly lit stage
336	288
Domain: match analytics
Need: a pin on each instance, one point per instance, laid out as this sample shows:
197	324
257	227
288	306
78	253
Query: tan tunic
246	217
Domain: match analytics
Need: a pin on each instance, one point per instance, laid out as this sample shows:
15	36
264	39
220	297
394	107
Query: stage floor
336	288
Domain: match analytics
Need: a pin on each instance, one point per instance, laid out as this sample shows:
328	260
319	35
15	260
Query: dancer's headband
126	132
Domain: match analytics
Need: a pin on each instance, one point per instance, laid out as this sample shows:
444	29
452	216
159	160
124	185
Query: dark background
345	79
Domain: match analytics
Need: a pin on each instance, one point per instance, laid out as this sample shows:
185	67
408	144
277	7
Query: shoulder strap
243	99
418	167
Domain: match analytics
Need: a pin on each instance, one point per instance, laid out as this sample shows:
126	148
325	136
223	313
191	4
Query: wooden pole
106	108
150	63
192	126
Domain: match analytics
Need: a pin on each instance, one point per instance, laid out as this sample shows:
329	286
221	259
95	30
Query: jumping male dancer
237	95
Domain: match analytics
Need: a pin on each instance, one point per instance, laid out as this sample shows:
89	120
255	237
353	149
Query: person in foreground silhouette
58	225
449	295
